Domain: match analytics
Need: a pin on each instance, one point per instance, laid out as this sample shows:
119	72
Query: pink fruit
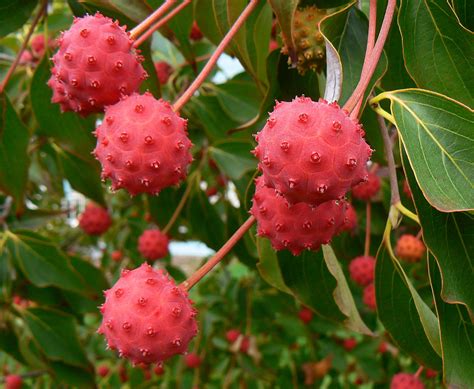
159	370
143	145
146	317
232	335
367	190
305	315
13	381
311	151
38	46
349	344
195	33
406	381
163	71
383	347
362	270
153	244
103	370
123	374
192	360
95	220
116	255
26	57
410	248
369	297
245	345
430	373
350	221
297	227
20	301
94	66
273	45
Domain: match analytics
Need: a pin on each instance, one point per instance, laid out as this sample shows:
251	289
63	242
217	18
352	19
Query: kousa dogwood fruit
410	248
153	244
95	220
362	270
163	71
406	381
367	190
368	297
13	381
192	360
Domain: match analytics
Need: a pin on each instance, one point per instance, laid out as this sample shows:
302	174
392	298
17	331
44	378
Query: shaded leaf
268	265
14	13
233	157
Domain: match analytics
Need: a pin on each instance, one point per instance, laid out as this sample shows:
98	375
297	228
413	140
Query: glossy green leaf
398	313
437	49
463	10
72	375
437	136
9	342
342	294
450	237
233	157
347	31
268	265
56	334
42	262
14	160
457	336
15	13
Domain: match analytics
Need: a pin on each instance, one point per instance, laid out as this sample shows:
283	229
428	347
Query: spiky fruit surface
350	222
311	151
308	40
367	190
195	33
298	227
232	335
116	255
143	145
349	344
146	317
163	71
362	270
305	315
103	370
368	297
153	244
406	381
95	220
94	66
410	248
13	381
192	360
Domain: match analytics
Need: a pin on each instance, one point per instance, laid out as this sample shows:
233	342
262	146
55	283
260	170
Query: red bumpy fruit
116	256
143	145
406	381
349	344
192	360
350	221
38	46
297	227
362	270
13	381
94	66
163	71
369	297
232	335
195	33
367	190
410	248
159	370
153	244
103	370
305	315
311	151
146	317
95	220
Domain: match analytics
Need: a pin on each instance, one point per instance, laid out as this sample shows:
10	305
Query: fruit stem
179	208
418	372
392	171
369	69
161	23
145	24
368	217
15	63
215	56
223	251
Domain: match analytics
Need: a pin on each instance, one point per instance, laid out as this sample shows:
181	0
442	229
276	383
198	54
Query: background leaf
14	13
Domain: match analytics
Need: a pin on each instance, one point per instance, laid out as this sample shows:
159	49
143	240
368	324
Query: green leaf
284	11
450	237
9	342
398	313
74	376
342	294
457	336
14	160
437	49
347	30
42	262
268	265
14	13
56	334
437	136
71	132
233	157
463	10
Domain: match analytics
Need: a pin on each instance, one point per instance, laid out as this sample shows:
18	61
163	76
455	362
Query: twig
215	56
224	250
179	208
368	216
15	63
144	25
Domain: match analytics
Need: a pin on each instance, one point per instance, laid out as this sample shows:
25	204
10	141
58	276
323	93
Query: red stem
368	217
418	372
224	250
369	69
161	23
215	56
144	25
15	63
